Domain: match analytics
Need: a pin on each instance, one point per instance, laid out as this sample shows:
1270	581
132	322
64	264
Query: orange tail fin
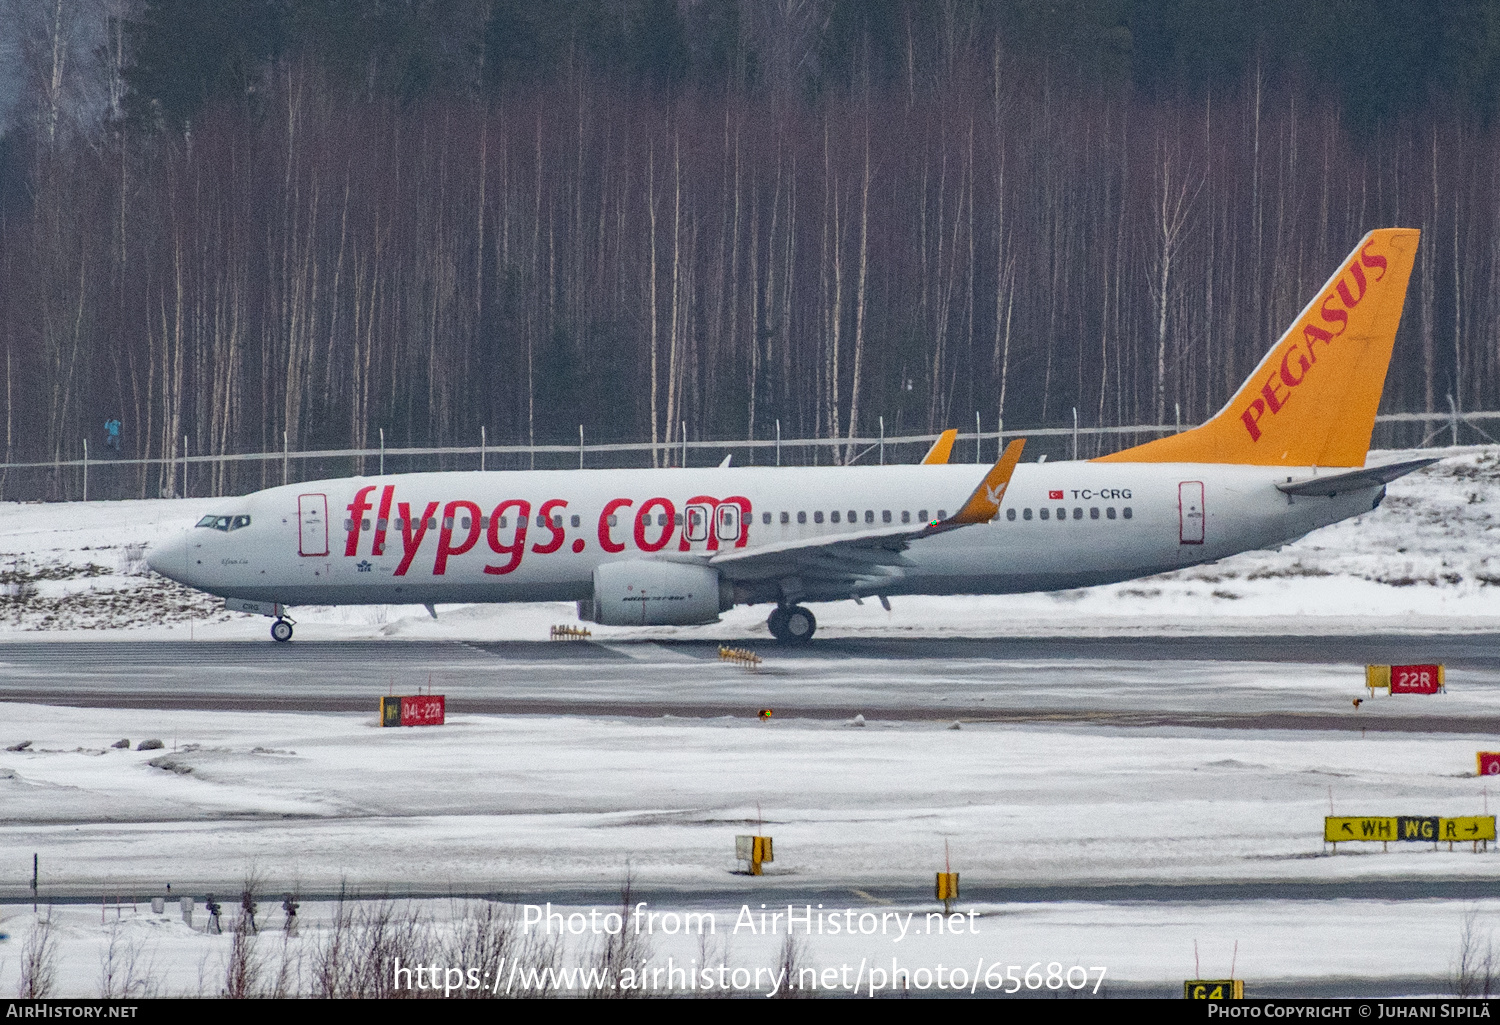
1312	400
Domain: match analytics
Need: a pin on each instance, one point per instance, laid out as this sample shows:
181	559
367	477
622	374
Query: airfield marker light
764	713
947	882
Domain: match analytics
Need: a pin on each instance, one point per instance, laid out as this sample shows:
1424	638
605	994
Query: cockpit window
225	523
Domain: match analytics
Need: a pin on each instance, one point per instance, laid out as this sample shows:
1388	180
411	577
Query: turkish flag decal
1055	496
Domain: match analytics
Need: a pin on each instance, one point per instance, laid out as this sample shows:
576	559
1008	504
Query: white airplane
1285	456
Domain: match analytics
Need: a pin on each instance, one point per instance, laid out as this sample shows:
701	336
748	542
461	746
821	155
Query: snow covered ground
1425	560
1282	948
537	804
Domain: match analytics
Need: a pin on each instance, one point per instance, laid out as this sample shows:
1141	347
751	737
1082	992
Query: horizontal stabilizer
1355	480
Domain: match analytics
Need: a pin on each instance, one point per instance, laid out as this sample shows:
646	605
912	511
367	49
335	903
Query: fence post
1453	419
382	451
979	429
285	455
184	466
882	441
778	442
85	469
580	446
684	444
1075	434
483	441
1178	407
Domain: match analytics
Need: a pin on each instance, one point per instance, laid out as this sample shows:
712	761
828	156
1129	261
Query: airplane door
697	522
729	522
312	515
1190	511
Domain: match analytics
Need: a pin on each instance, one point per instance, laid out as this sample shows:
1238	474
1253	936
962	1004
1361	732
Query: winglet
938	454
984	504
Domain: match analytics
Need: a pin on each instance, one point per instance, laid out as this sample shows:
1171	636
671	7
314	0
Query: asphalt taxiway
1241	682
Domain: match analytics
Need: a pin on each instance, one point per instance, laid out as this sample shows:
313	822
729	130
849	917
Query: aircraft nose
169	557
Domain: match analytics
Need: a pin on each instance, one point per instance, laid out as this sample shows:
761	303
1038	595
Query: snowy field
1282	948
540	805
1425	560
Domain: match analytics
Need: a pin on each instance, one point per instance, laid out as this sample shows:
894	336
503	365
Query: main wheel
800	625
777	624
281	630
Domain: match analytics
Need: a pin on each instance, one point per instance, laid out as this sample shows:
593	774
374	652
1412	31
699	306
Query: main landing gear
281	630
792	624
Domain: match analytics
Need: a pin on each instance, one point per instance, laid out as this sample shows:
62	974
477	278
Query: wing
860	563
1355	480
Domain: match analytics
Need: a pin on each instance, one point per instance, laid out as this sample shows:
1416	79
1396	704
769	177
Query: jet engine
644	592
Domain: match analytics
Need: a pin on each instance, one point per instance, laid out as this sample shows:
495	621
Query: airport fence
90	477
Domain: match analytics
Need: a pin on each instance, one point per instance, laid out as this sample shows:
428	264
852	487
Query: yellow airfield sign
1471	827
1413	828
1341	830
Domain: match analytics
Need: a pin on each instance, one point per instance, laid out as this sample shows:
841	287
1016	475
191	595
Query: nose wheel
792	624
281	630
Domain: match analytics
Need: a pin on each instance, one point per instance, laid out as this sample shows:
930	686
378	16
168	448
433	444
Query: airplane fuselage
539	535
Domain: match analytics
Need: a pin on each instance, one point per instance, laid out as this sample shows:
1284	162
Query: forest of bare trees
973	232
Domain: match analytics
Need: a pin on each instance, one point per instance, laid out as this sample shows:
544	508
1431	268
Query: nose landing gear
281	630
792	624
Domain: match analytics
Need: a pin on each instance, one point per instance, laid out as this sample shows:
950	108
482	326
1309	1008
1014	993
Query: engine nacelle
644	592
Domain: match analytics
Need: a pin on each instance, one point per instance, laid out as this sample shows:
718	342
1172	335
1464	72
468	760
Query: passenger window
379	524
614	521
1062	513
364	524
1043	513
922	516
853	516
869	515
1010	514
465	523
833	516
1077	512
557	520
818	516
1110	512
574	520
905	515
885	516
942	514
661	519
1025	514
786	518
1127	512
212	520
802	517
484	523
432	523
447	522
504	522
765	519
400	523
1093	512
676	520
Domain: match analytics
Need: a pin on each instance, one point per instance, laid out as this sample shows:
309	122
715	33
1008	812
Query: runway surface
1239	682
